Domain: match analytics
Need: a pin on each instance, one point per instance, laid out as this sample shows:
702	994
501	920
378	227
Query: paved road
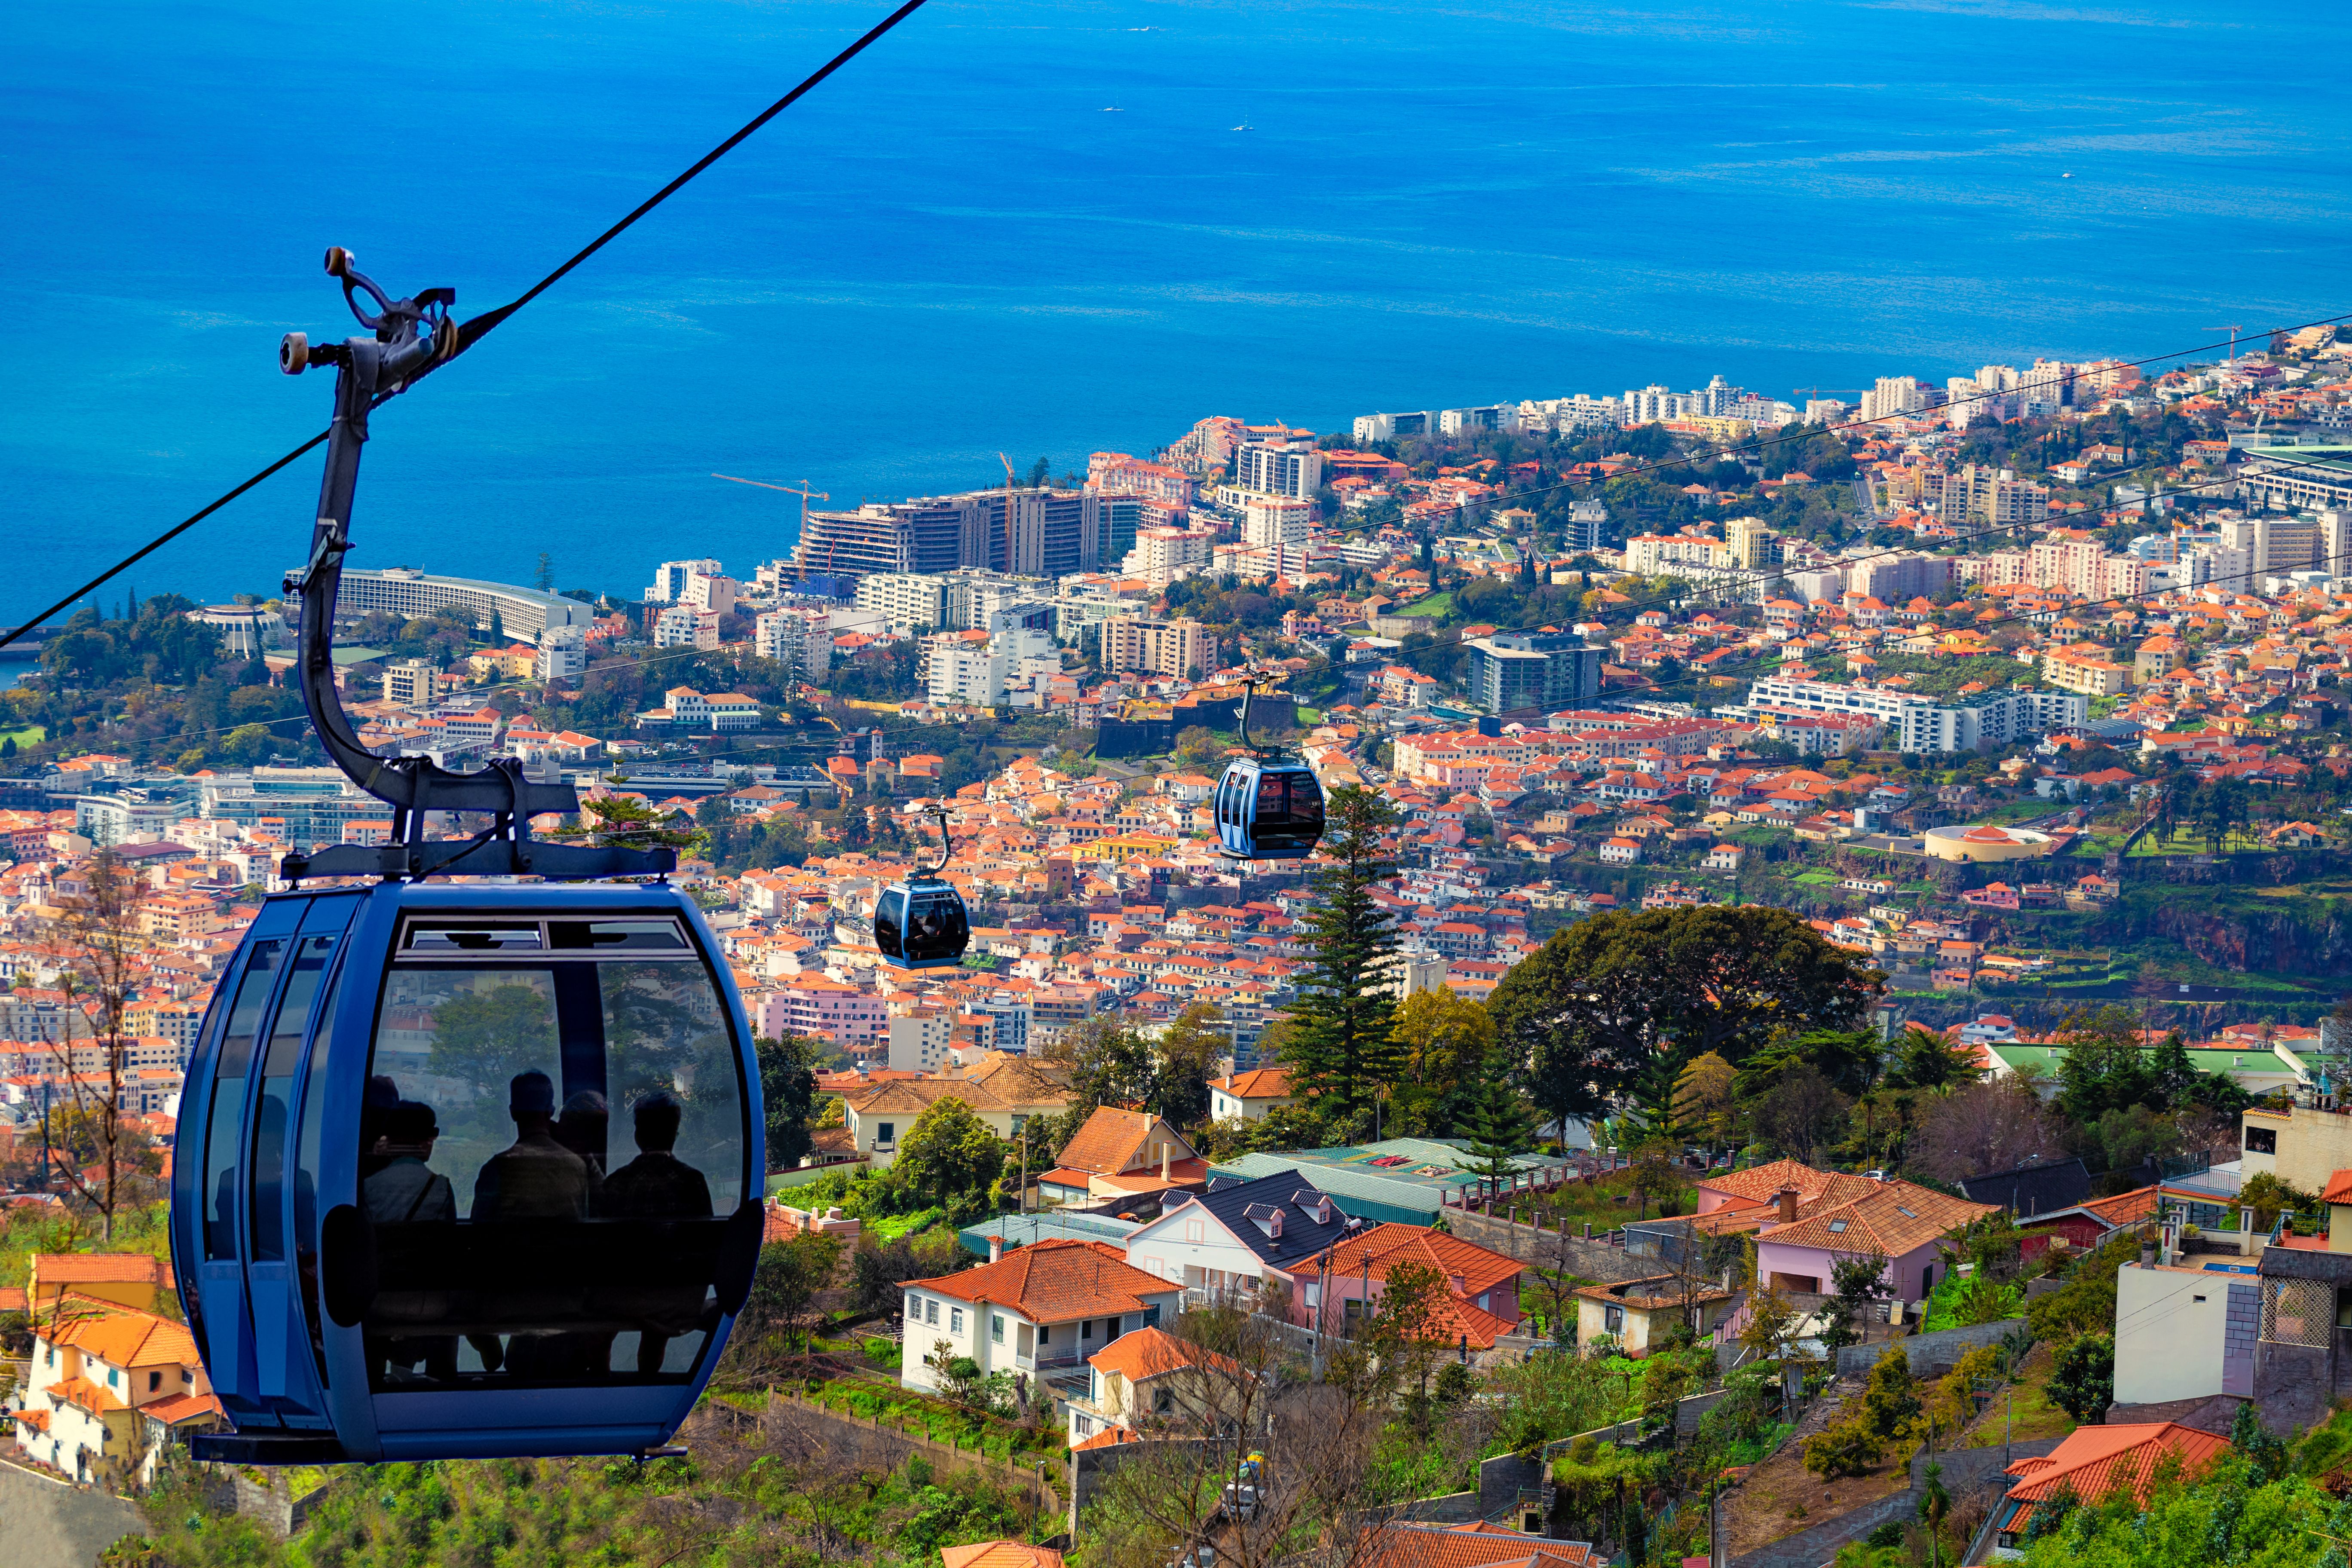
48	1524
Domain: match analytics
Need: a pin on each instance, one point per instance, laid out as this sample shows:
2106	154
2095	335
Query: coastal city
1813	1032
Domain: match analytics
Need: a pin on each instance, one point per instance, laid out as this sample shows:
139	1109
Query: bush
1848	1448
1887	1534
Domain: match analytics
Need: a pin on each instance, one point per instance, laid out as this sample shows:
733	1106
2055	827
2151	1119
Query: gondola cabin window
552	1138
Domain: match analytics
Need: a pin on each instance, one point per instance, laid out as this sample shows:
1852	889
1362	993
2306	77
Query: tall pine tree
1498	1124
1340	1051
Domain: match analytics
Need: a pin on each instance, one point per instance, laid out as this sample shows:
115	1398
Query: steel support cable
472	331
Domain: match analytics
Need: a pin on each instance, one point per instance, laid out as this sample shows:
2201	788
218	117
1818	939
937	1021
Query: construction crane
802	490
2233	329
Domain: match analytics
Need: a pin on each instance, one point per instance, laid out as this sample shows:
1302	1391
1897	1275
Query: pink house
1805	1221
1482	1287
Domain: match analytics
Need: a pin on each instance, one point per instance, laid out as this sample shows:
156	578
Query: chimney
995	1250
1164	1161
1787	1198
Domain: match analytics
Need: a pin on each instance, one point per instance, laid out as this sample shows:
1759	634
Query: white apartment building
1163	648
711	591
1165	555
1914	722
671	577
962	673
799	639
919	1040
562	654
1279	470
915	600
686	625
1893	394
1279	526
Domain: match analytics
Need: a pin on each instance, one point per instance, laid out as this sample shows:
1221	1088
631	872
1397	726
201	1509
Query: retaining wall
1926	1352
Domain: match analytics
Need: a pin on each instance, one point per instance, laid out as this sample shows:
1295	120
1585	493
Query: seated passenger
406	1189
657	1184
581	1128
535	1177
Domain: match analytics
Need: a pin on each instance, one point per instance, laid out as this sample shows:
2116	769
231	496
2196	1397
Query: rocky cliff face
2288	941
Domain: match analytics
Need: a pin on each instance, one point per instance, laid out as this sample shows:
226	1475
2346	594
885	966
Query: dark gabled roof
2032	1190
1242	1207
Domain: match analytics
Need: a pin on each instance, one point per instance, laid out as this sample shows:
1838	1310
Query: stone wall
1927	1351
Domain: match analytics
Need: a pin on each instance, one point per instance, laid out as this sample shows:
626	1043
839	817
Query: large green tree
1341	1047
948	1158
788	1096
1598	1004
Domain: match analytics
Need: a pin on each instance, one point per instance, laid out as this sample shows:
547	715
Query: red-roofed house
2093	1461
1248	1095
1121	1152
1143	1380
1048	1304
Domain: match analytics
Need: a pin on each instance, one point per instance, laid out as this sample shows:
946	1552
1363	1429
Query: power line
474	330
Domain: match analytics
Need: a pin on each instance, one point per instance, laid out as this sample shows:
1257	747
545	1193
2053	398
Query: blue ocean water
957	247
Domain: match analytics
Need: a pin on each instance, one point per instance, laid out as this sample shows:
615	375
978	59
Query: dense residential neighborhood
1812	1032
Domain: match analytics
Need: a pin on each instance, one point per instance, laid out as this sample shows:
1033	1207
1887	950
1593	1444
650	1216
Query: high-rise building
685	625
1165	555
410	594
1751	541
1279	470
1588	524
1521	670
797	638
408	682
1279	526
971	673
1177	647
562	654
1896	580
1371	428
916	600
1893	394
1117	473
670	579
1034	533
1116	519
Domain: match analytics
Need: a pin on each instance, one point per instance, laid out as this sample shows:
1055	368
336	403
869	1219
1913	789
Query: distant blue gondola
922	923
1266	808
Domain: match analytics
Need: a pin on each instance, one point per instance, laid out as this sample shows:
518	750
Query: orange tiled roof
82	1394
1895	1219
1259	1083
999	1554
1054	1280
1148	1352
99	1267
1479	1545
1382	1246
1758	1182
1110	1138
181	1407
2339	1188
124	1337
2095	1461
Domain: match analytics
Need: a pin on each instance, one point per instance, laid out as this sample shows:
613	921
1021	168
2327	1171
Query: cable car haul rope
469	1169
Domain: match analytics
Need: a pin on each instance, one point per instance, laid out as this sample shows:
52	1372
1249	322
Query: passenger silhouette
657	1184
582	1129
407	1190
534	1178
